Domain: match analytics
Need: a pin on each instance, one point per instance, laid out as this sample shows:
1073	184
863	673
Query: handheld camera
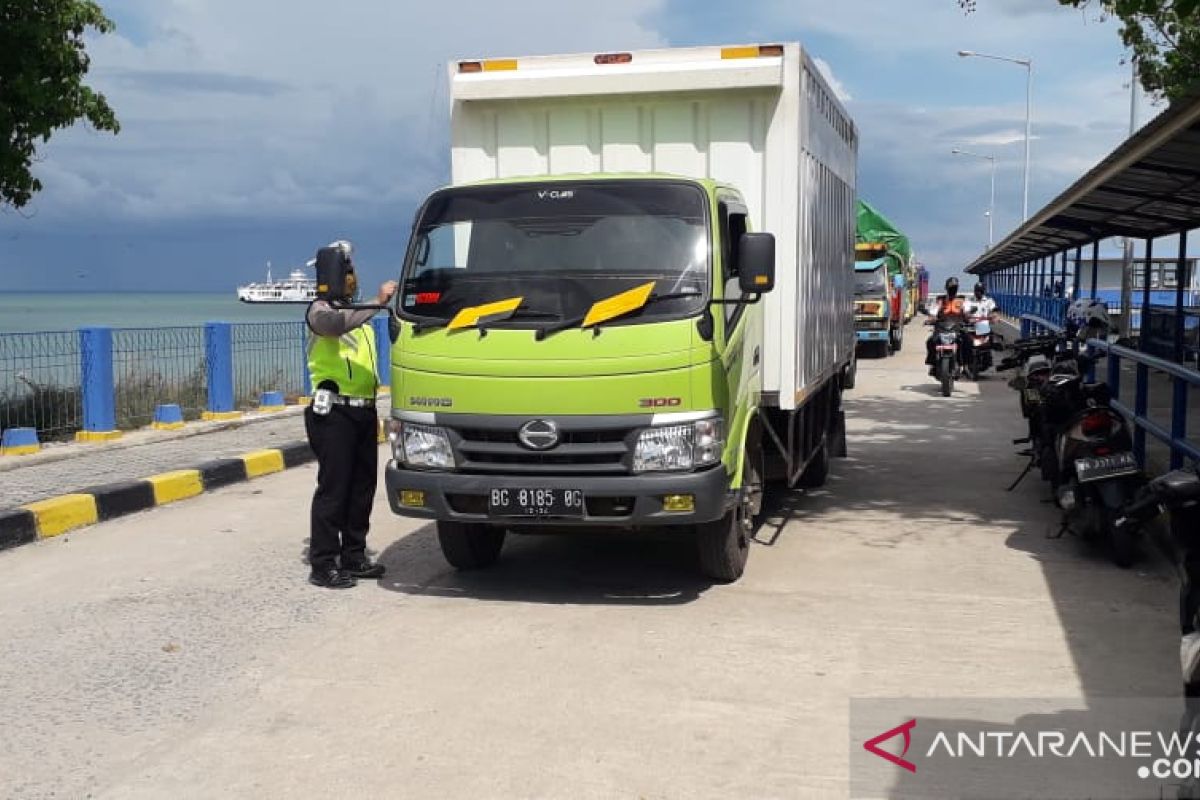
333	265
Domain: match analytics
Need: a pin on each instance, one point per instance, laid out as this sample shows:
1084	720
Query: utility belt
325	399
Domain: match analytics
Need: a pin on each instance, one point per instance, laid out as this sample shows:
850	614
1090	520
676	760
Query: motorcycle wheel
946	374
1122	541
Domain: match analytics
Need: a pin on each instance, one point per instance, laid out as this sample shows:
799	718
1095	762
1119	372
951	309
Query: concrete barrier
55	516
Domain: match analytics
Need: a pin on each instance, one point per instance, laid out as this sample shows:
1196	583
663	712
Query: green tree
42	66
1162	35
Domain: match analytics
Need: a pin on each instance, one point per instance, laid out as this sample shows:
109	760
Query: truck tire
724	544
851	374
817	471
470	545
897	338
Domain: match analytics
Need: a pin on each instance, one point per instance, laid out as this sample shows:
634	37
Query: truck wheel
470	545
817	471
724	545
851	374
898	339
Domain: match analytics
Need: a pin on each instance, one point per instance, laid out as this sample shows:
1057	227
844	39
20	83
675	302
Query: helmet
980	290
951	286
1088	318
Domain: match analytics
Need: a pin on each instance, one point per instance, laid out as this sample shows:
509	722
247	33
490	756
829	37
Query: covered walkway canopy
1148	187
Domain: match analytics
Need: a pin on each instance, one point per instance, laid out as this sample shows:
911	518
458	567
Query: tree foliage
1162	35
43	62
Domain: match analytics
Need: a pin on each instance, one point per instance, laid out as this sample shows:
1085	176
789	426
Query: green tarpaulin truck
628	311
894	304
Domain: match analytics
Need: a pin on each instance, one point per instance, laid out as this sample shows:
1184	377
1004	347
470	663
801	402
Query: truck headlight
420	445
680	447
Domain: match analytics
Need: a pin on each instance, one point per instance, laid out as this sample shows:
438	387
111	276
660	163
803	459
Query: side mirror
756	263
393	326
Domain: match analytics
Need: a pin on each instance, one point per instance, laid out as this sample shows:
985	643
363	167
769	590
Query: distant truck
878	324
877	237
628	311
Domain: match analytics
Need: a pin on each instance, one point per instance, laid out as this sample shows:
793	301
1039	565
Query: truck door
739	342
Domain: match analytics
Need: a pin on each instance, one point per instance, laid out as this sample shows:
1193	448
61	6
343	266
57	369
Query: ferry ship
296	288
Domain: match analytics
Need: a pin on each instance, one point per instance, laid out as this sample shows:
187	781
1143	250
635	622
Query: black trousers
346	444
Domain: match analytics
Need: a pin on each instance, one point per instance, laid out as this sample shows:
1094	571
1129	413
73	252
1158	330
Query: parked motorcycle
1178	495
1082	446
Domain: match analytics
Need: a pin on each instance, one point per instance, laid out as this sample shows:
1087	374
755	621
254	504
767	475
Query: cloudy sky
258	131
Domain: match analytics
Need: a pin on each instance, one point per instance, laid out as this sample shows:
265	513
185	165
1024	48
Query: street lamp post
1027	63
992	197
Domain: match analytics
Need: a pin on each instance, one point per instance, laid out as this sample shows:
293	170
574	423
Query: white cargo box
761	119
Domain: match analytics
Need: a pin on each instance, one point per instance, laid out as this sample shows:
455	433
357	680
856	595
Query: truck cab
578	350
874	306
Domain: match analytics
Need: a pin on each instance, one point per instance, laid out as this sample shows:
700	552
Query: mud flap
837	436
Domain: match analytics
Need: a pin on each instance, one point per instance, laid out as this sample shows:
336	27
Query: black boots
330	578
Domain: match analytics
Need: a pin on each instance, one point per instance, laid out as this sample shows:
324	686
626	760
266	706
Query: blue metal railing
100	380
1181	377
1053	309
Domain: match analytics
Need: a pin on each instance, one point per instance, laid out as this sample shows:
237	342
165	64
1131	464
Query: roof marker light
613	58
753	51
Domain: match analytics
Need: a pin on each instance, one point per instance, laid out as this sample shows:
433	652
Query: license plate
1100	467
535	503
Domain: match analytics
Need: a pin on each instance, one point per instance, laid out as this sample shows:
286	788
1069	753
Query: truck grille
580	451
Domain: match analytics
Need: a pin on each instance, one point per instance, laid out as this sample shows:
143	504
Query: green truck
882	308
627	312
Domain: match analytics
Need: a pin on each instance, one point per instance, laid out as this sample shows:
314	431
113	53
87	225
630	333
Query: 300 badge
660	402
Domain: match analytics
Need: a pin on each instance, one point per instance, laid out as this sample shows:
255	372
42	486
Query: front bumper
609	501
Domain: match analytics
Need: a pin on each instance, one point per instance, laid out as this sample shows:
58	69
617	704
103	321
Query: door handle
756	356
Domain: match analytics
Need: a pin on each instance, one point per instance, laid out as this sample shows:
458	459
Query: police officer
341	422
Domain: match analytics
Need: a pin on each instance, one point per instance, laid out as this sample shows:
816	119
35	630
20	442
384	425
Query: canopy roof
1147	187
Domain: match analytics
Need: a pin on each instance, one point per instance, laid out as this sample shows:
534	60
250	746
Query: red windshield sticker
428	298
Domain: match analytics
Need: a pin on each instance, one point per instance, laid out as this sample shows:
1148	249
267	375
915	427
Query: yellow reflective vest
347	360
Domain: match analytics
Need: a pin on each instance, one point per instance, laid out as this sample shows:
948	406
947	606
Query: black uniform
346	444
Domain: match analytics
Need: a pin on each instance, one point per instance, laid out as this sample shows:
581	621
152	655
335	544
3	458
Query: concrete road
180	653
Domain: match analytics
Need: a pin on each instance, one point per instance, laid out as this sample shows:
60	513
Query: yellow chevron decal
618	304
470	317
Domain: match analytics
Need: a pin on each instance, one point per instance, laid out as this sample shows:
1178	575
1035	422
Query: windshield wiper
575	322
526	313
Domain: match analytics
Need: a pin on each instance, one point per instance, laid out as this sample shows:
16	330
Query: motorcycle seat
1179	485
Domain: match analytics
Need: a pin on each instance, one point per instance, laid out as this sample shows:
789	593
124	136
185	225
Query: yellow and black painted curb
57	515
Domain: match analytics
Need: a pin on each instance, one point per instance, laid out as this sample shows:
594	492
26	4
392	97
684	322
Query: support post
1095	266
98	389
1182	279
1079	274
1144	313
218	359
1179	409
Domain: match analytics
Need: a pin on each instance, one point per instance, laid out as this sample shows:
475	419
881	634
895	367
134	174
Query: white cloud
839	88
291	108
998	139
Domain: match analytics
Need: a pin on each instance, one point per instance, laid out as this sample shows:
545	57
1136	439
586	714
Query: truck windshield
869	282
560	246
